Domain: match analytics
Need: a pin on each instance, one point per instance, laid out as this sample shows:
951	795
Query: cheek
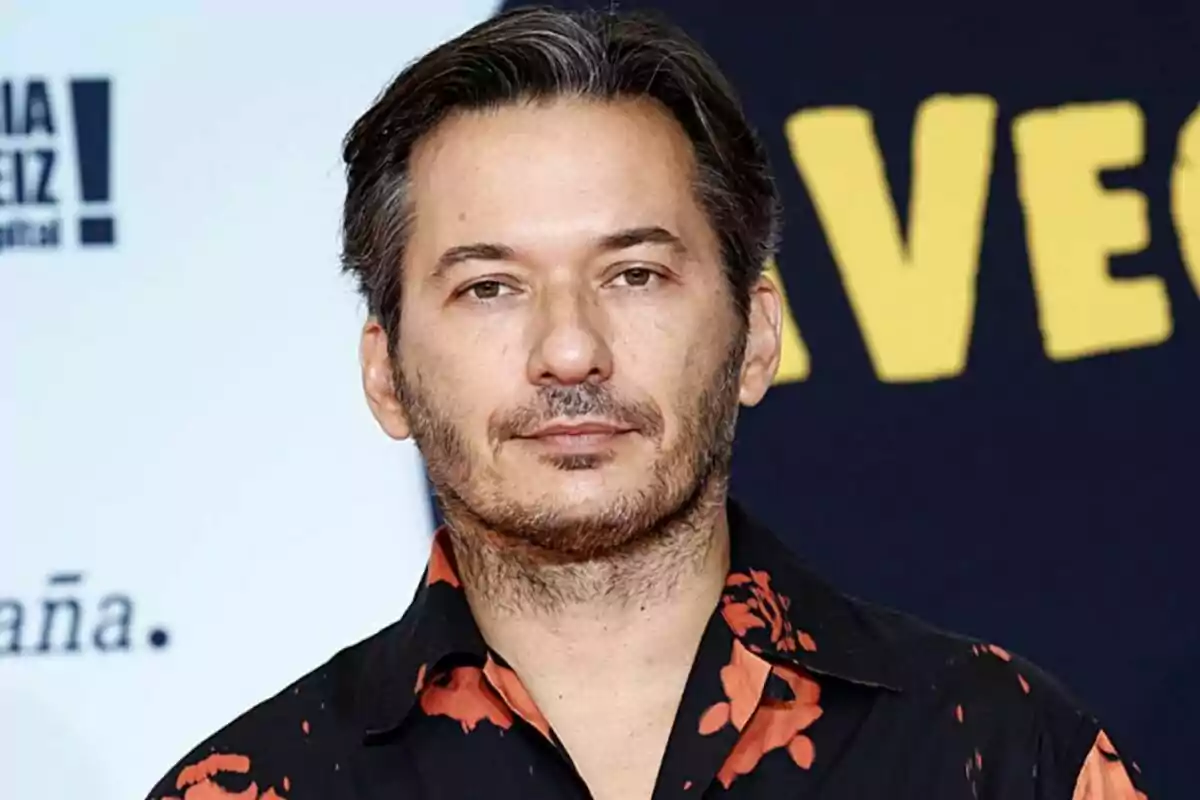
464	391
669	372
466	342
456	396
674	349
450	353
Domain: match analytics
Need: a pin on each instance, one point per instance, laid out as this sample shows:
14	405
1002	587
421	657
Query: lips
580	429
580	437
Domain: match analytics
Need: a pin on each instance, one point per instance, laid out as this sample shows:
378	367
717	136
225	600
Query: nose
570	344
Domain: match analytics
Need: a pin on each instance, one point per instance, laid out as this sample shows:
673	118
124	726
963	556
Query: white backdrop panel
182	432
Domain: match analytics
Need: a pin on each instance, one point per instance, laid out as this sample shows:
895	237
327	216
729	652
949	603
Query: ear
763	342
379	381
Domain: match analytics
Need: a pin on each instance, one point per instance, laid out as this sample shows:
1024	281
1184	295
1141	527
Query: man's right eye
485	290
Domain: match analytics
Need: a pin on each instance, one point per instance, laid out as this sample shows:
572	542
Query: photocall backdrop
988	412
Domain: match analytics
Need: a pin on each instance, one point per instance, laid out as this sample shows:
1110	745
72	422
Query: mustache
580	400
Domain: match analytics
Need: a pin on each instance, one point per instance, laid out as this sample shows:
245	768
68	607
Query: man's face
569	360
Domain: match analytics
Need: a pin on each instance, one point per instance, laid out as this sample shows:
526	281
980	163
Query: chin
583	508
588	520
591	502
584	491
580	505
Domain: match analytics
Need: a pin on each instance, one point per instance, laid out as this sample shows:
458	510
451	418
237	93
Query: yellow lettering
794	364
914	300
1073	225
1185	196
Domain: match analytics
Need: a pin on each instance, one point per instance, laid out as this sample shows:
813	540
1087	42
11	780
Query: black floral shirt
797	691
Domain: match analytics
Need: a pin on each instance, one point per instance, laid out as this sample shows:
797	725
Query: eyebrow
618	240
632	237
480	251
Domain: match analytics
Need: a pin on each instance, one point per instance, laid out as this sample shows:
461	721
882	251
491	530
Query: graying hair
538	54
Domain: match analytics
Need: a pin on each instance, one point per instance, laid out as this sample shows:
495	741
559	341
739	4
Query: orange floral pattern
471	695
506	683
768	699
1005	656
464	694
441	562
196	780
749	602
743	679
764	725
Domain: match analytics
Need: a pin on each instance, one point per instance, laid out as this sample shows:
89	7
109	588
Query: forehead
550	173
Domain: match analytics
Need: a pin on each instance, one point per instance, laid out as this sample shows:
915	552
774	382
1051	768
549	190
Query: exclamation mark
90	100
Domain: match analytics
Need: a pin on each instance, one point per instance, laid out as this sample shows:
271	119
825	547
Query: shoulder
1018	720
297	737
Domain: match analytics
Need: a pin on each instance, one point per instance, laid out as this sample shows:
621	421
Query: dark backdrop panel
1045	504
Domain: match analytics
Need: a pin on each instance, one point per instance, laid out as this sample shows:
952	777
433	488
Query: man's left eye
637	276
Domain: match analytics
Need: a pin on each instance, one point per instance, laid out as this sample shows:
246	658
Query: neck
636	609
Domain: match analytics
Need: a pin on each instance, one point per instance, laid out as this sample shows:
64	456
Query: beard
683	479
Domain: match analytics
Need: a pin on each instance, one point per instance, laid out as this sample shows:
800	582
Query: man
559	222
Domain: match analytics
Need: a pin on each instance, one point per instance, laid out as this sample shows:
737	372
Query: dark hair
532	54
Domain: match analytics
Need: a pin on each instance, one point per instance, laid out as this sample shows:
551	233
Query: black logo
32	148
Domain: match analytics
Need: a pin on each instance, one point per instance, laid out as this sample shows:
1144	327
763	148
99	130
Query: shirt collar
436	628
775	605
782	610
